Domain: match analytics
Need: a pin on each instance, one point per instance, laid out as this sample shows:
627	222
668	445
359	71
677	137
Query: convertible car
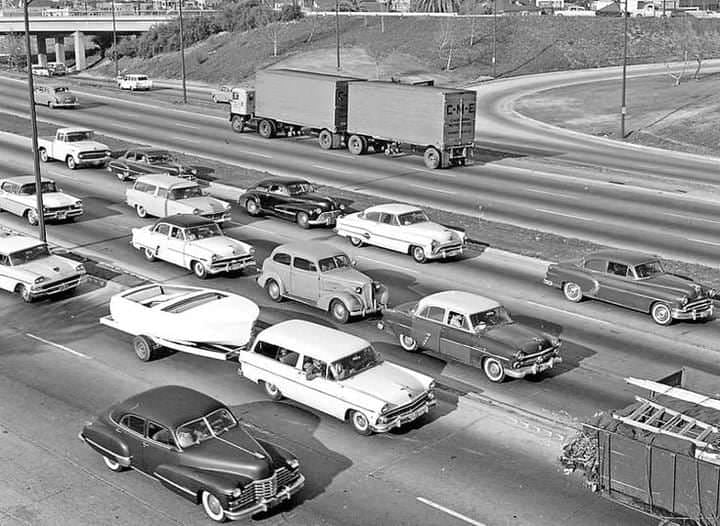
194	446
140	161
473	330
635	281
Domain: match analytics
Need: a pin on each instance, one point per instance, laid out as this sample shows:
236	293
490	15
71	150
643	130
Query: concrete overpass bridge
77	26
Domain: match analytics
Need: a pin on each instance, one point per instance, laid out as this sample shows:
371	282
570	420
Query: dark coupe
195	447
633	280
293	199
473	330
140	161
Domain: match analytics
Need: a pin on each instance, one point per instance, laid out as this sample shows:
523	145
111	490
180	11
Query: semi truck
389	117
661	454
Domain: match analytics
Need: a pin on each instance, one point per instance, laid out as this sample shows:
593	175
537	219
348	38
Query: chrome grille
53	284
452	245
231	260
538	357
92	155
265	488
407	408
698	304
214	217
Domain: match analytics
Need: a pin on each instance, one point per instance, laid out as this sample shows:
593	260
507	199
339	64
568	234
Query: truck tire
432	157
44	157
325	140
70	161
238	124
267	129
357	145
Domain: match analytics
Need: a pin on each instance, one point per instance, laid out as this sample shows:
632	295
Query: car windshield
162	157
80	136
649	269
300	188
490	318
29	254
203	232
213	424
185	193
334	262
412	218
46	186
141	77
355	363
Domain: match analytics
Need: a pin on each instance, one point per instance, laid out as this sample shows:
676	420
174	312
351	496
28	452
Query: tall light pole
337	32
623	107
114	40
182	53
33	122
494	42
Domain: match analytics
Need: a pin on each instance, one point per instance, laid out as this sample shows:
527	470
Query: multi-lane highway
488	453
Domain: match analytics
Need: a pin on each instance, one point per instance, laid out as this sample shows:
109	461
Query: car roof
74	129
147	149
10	243
169	405
283	180
166	181
459	301
393	208
185	220
26	179
312	250
56	86
623	256
318	341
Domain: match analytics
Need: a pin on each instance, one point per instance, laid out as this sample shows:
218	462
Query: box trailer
294	102
660	455
391	117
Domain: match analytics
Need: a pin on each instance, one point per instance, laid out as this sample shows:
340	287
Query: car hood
88	145
55	199
388	383
673	284
51	267
222	246
433	231
346	277
518	337
205	204
235	452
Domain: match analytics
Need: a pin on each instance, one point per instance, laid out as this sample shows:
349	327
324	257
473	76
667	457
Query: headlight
342	207
554	341
193	171
45	208
385	408
377	285
214	257
293	463
228	206
432	385
711	293
684	301
520	355
318	211
80	268
196	211
251	250
434	245
108	153
236	492
78	203
39	279
515	365
358	290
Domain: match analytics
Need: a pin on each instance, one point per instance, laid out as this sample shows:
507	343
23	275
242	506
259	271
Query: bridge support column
41	50
79	45
60	49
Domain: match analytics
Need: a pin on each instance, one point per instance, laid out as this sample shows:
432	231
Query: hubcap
274	290
572	290
494	369
419	254
661	313
360	421
339	310
214	504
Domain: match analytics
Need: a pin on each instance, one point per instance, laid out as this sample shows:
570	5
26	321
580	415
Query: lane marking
705	242
450	512
390	265
446	173
186	125
124	127
554	194
58	346
569	313
563	215
692	218
330	169
248	152
432	188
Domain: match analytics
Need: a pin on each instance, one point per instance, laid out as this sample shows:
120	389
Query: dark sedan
632	280
140	161
194	446
293	199
473	330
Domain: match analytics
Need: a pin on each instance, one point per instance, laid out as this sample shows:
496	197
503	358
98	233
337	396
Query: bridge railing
125	12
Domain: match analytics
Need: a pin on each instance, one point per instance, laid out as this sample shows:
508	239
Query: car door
131	431
304	280
367	224
314	388
5	190
388	233
145	196
426	327
125	166
456	337
614	284
278	196
173	249
267	362
6	281
157	239
158	448
11	200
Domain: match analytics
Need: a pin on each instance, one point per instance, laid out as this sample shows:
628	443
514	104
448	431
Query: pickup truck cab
75	147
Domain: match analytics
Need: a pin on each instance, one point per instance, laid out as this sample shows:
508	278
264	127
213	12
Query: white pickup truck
75	147
574	10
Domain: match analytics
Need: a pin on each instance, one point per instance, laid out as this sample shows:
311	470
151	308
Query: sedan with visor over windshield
18	195
336	373
140	161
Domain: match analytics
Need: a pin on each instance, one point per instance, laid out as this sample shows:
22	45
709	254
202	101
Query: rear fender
107	443
560	276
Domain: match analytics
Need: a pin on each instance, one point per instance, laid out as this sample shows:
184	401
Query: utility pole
623	107
494	42
115	60
33	122
182	53
337	32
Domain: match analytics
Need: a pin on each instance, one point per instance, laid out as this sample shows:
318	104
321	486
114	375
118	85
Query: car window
458	320
177	233
162	228
144	187
134	423
163	192
277	189
304	264
433	313
283	259
372	216
130	156
261	188
275	352
8	187
618	269
386	219
4	260
314	367
266	349
598	265
160	434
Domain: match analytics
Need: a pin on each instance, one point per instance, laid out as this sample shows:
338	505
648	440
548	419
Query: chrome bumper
62	287
266	504
326	218
403	419
679	314
442	253
217	268
63	214
535	368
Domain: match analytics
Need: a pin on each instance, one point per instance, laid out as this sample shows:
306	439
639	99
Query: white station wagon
337	373
29	269
193	242
18	196
134	82
402	228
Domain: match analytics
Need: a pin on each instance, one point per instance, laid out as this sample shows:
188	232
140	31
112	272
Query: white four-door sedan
195	243
55	97
29	269
402	228
336	373
18	196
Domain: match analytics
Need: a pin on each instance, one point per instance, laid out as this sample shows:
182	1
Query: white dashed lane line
450	512
552	212
554	194
433	188
58	346
691	218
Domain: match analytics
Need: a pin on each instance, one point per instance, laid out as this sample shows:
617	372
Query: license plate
62	215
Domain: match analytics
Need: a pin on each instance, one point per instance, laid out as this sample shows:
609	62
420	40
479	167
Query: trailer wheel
357	145
267	129
325	139
144	348
432	157
237	123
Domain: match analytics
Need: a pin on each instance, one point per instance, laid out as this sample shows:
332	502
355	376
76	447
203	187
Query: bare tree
14	46
470	7
379	51
445	38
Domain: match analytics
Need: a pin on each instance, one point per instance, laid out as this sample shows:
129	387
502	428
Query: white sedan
29	269
195	243
402	228
337	373
18	195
